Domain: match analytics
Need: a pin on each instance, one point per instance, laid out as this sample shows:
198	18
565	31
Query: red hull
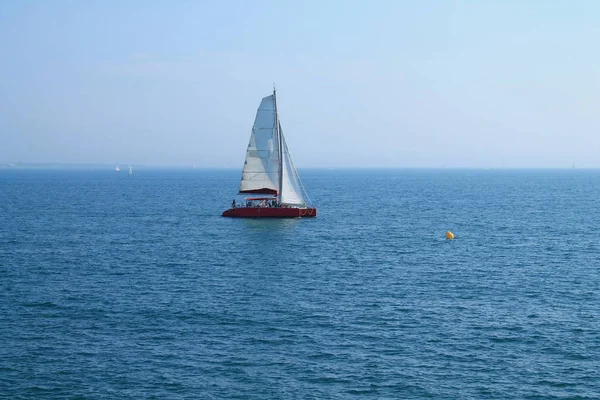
266	212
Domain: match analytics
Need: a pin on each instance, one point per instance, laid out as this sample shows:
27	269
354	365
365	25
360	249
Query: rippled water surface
114	286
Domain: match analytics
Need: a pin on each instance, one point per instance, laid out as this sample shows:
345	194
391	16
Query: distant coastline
55	165
111	166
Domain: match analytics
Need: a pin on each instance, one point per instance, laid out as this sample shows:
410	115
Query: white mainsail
269	167
261	168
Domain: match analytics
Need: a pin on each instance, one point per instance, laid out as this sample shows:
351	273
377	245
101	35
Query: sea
134	287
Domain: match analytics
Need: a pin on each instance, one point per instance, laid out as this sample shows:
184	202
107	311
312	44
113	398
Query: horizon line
21	164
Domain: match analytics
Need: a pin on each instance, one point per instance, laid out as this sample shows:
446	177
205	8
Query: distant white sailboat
130	170
117	168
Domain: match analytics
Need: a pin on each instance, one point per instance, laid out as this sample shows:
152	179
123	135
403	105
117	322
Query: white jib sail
291	190
261	168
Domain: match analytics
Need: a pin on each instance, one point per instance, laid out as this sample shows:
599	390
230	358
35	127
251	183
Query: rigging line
303	189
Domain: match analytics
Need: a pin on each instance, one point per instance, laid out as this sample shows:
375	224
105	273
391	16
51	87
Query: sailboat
130	170
117	168
270	172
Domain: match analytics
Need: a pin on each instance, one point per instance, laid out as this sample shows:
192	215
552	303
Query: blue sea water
119	287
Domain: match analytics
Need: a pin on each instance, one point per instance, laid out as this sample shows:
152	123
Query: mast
279	146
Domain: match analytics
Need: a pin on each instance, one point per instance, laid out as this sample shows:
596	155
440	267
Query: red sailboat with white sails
269	172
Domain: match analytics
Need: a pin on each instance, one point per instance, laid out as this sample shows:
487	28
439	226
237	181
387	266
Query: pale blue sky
363	84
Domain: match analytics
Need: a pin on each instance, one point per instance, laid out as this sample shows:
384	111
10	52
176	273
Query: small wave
506	339
44	304
557	384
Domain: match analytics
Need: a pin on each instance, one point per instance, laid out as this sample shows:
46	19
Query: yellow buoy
449	235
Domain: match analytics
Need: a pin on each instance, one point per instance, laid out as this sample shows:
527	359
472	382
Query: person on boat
233	205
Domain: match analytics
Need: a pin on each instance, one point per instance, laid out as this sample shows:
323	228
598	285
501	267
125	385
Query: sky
383	83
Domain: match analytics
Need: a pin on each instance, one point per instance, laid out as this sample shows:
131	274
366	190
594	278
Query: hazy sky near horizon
365	84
